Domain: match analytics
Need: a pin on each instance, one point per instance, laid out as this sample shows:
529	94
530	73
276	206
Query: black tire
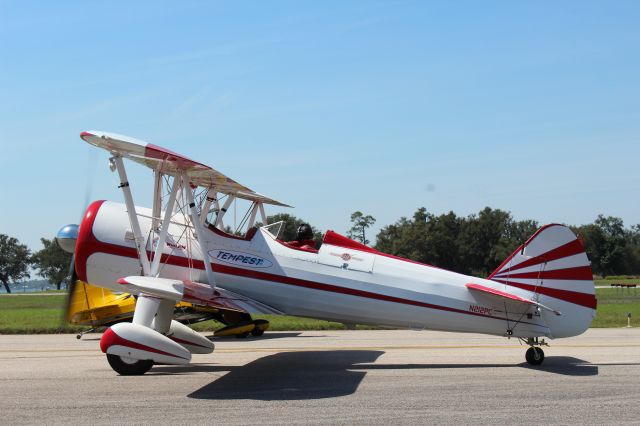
534	356
137	368
257	332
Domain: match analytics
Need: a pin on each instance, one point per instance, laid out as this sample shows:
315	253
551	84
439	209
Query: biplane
178	253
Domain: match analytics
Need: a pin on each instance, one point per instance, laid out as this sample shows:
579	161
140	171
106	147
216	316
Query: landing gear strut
535	354
82	333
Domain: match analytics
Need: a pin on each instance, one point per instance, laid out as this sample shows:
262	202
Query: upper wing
504	295
196	293
169	162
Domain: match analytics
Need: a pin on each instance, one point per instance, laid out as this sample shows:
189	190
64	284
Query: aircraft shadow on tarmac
327	374
292	376
567	366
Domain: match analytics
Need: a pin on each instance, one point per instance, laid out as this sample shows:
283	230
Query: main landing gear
129	366
535	354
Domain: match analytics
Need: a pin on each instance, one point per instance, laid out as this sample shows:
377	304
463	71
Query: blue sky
384	107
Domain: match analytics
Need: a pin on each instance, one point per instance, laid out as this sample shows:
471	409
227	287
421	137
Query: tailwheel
129	366
534	355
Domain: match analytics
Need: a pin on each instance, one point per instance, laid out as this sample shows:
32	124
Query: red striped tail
553	265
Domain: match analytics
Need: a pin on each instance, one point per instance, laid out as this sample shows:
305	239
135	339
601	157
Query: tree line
474	244
478	243
16	261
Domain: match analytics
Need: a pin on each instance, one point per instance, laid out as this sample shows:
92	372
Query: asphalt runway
336	377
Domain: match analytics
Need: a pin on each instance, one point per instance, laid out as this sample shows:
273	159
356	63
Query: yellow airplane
99	307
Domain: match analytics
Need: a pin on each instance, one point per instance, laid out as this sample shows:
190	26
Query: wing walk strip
130	252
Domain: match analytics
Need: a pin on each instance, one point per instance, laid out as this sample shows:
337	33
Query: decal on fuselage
480	310
346	256
240	258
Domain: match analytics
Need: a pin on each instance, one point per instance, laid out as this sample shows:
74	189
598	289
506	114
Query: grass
30	314
620	280
36	314
614	304
281	323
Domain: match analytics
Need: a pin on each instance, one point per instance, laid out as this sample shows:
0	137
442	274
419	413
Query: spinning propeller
68	235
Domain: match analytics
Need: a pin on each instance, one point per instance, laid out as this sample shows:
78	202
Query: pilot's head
304	232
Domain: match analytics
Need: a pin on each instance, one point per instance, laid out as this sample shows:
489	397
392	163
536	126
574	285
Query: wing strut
133	218
210	197
164	229
195	220
219	224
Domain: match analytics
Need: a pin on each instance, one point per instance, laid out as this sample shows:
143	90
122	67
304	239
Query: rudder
554	266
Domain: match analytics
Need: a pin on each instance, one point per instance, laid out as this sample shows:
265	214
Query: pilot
304	238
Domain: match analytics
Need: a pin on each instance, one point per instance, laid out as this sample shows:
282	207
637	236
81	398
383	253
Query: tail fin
553	265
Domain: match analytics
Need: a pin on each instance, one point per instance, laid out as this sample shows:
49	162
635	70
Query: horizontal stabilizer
504	295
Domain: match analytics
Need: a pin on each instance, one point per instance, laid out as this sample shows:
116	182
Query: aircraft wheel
129	367
534	355
257	332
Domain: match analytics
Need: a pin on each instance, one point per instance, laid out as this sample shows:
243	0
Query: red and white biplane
177	250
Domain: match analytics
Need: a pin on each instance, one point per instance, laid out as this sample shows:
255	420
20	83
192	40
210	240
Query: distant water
29	286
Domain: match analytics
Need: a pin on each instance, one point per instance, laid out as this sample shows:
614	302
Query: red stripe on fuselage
129	252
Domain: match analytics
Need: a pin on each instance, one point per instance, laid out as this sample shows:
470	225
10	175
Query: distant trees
52	262
360	224
15	259
473	244
490	237
478	243
612	249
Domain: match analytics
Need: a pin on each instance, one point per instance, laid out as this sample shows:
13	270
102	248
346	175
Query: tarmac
330	377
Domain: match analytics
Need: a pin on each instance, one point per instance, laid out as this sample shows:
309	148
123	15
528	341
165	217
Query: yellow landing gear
260	327
240	329
243	329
